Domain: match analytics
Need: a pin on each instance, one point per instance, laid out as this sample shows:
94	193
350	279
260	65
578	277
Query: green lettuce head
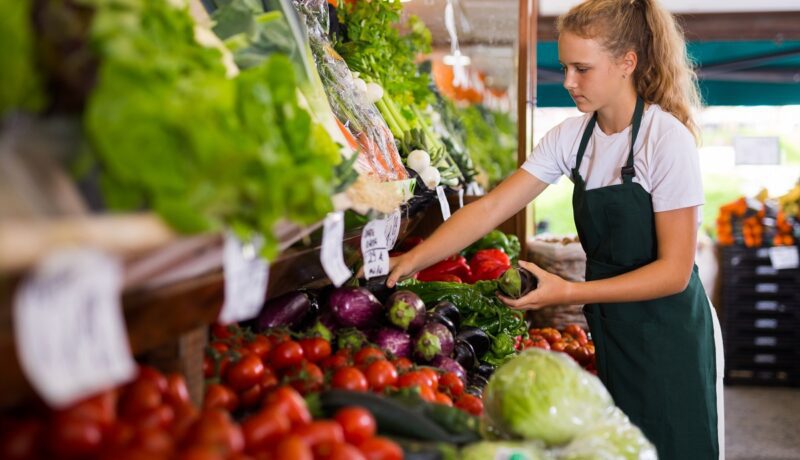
614	438
544	395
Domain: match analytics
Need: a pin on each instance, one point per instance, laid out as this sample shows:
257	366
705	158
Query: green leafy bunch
173	133
21	88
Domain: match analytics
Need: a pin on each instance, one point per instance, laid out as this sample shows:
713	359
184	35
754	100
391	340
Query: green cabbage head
544	395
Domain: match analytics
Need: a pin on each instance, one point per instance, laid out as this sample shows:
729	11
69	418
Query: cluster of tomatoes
572	340
242	368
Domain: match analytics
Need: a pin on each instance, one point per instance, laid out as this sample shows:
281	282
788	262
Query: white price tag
331	254
68	327
393	222
784	257
443	202
461	198
246	278
373	249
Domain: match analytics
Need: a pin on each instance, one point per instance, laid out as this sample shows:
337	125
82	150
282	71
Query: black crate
746	329
761	341
752	310
737	256
750	357
759	376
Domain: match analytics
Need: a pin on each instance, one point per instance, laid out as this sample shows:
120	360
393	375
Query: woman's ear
628	63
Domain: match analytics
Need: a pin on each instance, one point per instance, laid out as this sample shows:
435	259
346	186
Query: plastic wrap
614	438
360	121
546	396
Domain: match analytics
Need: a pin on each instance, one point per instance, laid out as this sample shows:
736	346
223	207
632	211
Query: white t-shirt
665	158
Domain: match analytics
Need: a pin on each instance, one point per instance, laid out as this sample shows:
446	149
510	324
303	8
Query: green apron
656	357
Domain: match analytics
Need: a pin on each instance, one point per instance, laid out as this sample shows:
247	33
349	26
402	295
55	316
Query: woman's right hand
400	268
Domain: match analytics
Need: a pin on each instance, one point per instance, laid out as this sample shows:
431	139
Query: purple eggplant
449	311
393	342
355	307
433	340
287	310
450	365
464	355
405	310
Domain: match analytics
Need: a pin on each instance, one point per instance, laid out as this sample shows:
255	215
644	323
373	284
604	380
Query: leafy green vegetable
172	132
495	240
503	449
480	307
490	138
611	438
545	396
21	88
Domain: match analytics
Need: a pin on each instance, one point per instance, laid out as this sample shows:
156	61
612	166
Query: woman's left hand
551	290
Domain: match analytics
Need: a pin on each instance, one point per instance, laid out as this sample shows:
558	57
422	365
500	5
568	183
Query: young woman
635	166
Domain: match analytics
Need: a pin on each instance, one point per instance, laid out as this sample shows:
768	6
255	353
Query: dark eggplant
480	341
287	310
474	391
433	317
477	380
355	307
405	310
449	311
377	286
464	355
517	281
485	370
450	365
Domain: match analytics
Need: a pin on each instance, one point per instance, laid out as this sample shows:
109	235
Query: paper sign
784	257
331	254
393	222
246	278
443	202
373	249
68	327
460	198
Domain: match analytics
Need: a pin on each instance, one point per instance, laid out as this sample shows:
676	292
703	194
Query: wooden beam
773	25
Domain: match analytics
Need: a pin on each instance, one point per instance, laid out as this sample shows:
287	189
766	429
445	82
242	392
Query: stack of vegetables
371	45
790	202
572	340
754	223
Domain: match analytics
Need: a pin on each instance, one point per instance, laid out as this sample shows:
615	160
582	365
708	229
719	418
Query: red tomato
185	416
119	436
286	354
222	332
381	374
538	342
201	453
290	403
427	394
415	378
278	336
161	417
264	429
550	334
470	403
245	373
214	428
177	392
337	451
269	381
320	431
433	376
577	333
208	367
349	378
358	424
260	346
74	437
101	408
220	397
380	448
292	447
315	349
305	377
559	345
367	355
402	364
21	441
334	362
155	441
251	396
441	398
452	384
149	373
141	396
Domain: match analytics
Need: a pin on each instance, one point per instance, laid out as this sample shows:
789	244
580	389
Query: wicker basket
563	257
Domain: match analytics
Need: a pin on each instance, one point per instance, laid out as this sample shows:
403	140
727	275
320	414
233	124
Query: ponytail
664	74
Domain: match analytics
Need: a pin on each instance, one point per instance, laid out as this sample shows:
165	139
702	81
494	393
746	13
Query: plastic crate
759	376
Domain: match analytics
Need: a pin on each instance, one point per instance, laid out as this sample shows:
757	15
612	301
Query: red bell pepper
488	264
455	265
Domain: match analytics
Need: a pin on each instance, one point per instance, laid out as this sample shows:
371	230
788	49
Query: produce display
755	223
572	340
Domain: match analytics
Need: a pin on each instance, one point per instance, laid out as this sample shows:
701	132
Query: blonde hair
664	74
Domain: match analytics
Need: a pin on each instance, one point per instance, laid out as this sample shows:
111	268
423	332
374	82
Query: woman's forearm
658	279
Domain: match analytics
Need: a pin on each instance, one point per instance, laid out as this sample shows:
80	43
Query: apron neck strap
628	171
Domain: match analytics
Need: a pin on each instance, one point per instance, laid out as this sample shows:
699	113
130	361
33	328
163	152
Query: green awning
731	73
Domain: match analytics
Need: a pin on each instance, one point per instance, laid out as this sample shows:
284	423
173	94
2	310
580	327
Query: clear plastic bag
614	438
